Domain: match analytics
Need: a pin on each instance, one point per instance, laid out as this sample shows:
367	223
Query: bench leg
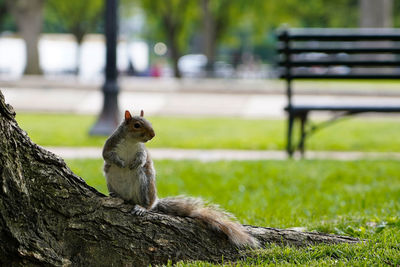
303	122
289	143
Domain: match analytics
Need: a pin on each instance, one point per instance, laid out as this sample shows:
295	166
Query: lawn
357	198
357	134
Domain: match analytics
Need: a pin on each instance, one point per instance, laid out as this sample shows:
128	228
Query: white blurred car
192	65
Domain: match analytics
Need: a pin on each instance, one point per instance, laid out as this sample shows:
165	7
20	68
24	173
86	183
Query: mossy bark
50	216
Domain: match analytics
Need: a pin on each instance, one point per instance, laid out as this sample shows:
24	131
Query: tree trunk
175	55
78	56
28	15
78	59
209	37
50	216
376	14
172	39
3	13
79	34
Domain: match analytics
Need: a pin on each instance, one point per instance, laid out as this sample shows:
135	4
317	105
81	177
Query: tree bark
376	14
50	216
28	15
209	36
175	55
172	39
79	32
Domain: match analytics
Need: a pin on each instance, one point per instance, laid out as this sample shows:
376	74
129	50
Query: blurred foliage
186	17
227	14
239	24
396	18
6	20
74	16
306	13
170	17
242	24
173	22
254	15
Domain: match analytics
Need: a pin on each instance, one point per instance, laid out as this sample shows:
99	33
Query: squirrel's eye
136	125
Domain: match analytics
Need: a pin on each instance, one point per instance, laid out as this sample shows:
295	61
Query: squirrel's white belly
124	181
127	151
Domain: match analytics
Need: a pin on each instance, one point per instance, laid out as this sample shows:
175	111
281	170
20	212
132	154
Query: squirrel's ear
128	115
141	113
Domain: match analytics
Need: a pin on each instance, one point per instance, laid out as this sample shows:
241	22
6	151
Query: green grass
357	134
356	198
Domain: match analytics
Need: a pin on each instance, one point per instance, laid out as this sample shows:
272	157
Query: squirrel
130	175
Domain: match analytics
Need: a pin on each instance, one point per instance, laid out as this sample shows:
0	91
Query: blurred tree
219	18
171	20
28	15
249	21
242	23
3	11
265	16
376	14
78	17
306	13
396	18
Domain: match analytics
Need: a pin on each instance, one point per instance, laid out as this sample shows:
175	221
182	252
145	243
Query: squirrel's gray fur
130	175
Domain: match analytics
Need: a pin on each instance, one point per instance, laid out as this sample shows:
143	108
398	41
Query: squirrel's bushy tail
212	215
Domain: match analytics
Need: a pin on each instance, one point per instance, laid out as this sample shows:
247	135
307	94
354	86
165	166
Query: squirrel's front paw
120	163
135	164
138	210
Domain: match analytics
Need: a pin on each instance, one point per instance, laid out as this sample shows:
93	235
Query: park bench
334	54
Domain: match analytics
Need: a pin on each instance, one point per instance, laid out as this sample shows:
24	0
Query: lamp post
109	117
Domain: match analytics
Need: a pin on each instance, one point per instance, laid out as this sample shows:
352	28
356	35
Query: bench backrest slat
332	34
361	50
338	54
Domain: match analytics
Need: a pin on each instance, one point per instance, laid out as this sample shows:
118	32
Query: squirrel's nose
152	134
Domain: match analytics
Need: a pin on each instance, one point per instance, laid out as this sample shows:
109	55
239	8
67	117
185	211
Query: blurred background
174	38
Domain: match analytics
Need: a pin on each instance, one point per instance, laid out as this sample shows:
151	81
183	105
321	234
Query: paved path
222	154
